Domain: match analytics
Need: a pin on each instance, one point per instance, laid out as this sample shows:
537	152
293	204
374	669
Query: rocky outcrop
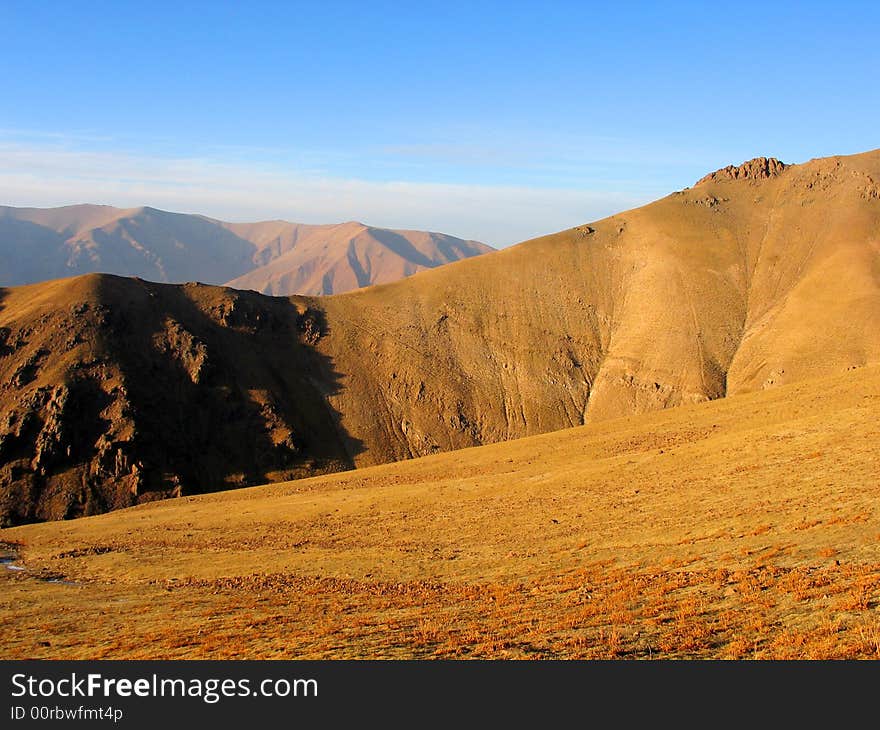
760	168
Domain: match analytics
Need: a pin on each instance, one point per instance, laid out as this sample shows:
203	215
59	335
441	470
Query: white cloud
43	175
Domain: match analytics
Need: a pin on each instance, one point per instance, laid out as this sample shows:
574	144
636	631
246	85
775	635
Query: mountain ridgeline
272	257
118	391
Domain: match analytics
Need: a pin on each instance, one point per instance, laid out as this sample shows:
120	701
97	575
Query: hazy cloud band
43	175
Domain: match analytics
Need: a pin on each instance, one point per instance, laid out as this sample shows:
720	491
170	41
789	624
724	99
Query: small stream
9	561
8	558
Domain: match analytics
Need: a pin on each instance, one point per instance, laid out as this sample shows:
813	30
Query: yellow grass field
742	528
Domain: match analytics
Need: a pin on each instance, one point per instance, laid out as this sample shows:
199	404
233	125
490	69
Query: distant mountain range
271	257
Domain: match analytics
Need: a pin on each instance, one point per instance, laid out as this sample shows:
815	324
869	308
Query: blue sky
495	121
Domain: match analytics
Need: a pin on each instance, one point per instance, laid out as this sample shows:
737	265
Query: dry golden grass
754	537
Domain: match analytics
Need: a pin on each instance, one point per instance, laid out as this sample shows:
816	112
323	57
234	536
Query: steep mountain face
758	276
274	257
739	283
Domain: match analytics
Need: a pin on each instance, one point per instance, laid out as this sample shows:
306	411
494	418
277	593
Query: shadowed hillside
118	391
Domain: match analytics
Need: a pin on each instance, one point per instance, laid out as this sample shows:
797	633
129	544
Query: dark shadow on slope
5	349
174	247
402	247
454	250
226	387
361	275
29	253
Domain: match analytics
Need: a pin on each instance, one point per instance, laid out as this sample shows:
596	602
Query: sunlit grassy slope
744	527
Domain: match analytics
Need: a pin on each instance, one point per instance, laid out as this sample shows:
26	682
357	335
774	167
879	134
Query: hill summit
759	168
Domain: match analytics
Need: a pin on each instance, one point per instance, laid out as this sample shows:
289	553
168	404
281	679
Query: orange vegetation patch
601	612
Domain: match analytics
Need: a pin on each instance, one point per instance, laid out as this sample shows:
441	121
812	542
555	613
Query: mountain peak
277	257
759	168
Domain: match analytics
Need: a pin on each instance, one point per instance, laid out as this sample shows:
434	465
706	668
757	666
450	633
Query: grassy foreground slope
744	527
